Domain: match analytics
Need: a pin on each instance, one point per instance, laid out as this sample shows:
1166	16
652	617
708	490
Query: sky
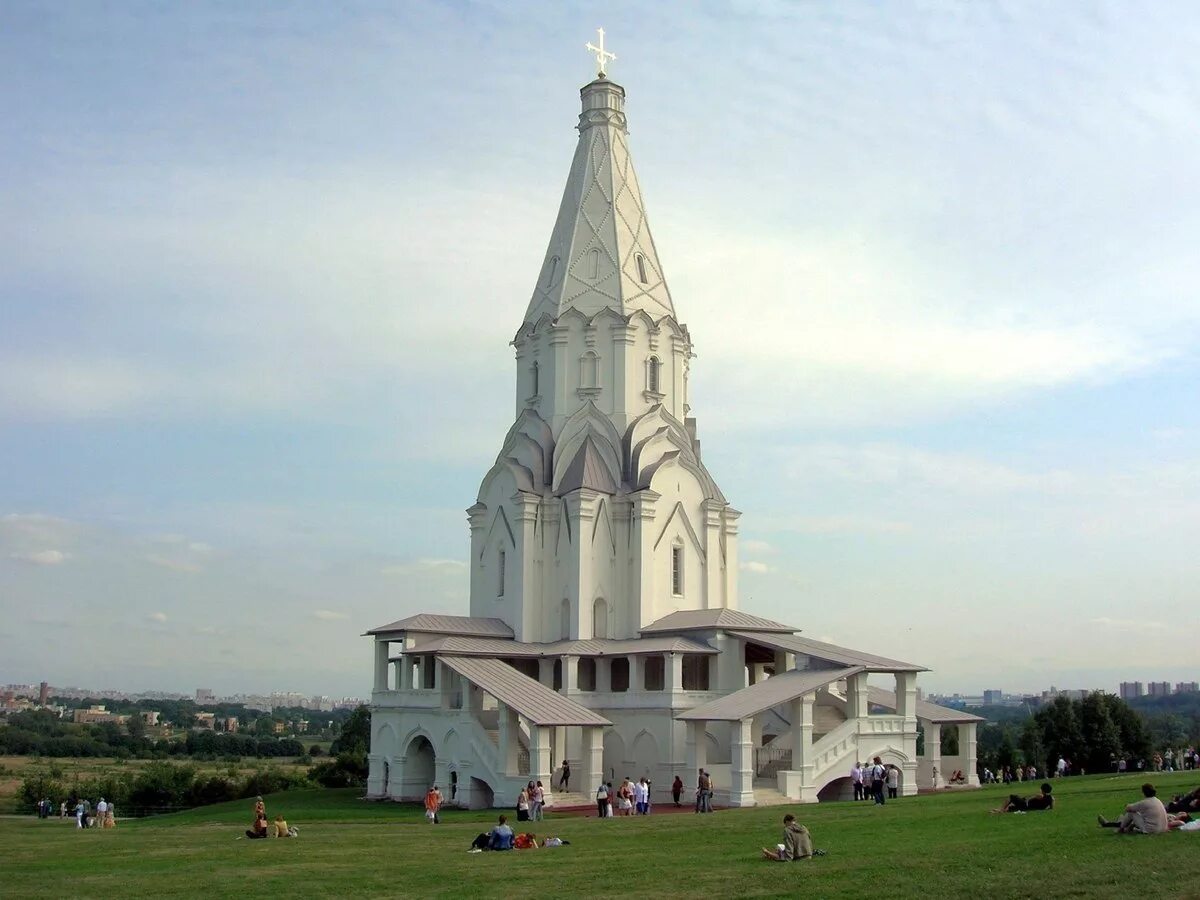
260	265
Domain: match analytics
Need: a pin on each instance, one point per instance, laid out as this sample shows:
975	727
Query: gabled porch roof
756	698
844	656
532	699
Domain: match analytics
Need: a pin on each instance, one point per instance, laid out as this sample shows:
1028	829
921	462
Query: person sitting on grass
525	841
1147	816
501	837
1185	803
1037	803
797	843
281	828
110	820
259	829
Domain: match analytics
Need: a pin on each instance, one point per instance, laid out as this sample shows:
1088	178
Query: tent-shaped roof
587	470
756	698
831	653
708	619
930	712
532	699
467	626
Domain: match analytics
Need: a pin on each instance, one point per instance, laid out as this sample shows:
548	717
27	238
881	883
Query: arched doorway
614	757
419	764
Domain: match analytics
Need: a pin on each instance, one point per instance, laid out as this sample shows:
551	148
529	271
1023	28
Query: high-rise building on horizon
1159	689
1131	690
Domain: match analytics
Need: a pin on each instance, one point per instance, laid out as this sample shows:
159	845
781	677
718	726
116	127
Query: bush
345	770
38	787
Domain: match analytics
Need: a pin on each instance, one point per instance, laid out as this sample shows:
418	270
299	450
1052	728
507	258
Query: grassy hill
932	846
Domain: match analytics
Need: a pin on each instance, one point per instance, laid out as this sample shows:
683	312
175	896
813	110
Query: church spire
601	253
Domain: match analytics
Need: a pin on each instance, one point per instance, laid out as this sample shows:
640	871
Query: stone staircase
571	800
766	793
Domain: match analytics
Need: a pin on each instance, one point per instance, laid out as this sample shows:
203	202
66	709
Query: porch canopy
757	698
930	712
830	653
528	697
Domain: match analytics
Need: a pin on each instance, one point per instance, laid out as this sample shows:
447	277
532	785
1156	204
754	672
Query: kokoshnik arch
604	626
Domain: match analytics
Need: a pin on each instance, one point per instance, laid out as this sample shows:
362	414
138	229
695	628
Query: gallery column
741	790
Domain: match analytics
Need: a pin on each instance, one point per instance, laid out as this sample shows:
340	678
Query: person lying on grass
797	843
526	841
1188	803
1147	816
1037	803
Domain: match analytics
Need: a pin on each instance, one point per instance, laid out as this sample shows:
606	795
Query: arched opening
641	267
500	561
600	618
587	674
644	755
614	756
620	673
453	785
677	570
654	375
589	370
419	764
535	374
482	796
551	271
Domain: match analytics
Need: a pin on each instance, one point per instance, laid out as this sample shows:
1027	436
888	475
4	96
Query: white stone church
604	627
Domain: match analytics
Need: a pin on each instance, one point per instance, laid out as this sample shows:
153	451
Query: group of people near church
630	798
869	782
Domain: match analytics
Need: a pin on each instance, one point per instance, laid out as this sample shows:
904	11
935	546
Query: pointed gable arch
680	514
499	526
588	423
602	529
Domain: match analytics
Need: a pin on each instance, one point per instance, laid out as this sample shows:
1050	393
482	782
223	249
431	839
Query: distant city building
230	724
204	696
1187	687
1159	689
98	715
206	721
993	697
150	717
43	693
1132	689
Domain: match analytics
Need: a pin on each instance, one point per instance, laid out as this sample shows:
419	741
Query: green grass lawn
931	846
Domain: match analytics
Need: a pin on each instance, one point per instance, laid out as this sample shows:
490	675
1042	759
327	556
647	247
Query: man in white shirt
640	793
856	779
101	810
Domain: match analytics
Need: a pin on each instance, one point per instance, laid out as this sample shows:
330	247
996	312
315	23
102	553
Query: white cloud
758	568
328	615
158	617
41	557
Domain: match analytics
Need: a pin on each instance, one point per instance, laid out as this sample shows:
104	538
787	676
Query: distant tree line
41	732
1093	734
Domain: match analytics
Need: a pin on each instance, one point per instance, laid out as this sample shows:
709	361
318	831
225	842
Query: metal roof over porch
930	712
756	698
843	656
532	699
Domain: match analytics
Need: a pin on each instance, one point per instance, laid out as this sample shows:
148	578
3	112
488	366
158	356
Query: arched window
564	626
536	372
653	374
500	574
677	570
593	264
641	267
600	618
589	370
551	271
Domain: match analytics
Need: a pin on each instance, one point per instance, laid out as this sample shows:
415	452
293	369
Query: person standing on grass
564	780
523	805
893	781
602	800
539	802
433	803
1147	816
101	811
878	776
708	793
856	779
677	789
699	790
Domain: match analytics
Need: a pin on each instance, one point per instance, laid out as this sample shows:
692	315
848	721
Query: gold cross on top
603	57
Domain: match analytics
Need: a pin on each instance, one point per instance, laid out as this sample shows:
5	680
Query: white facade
604	566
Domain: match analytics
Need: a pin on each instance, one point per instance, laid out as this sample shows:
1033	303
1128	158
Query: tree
1032	748
1061	732
355	736
1135	739
136	726
1101	737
